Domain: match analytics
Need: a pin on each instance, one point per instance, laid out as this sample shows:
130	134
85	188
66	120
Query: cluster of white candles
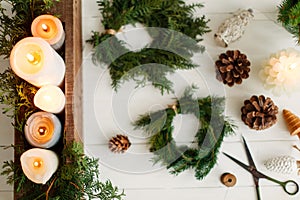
35	60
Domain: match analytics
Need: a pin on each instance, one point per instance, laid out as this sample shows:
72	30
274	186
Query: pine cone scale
256	106
249	107
225	61
238	81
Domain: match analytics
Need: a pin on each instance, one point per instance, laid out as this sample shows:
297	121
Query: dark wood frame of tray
69	12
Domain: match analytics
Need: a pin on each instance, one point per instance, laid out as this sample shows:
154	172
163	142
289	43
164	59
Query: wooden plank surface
70	14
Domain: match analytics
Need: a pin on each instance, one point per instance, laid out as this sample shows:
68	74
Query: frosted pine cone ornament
283	164
281	72
233	28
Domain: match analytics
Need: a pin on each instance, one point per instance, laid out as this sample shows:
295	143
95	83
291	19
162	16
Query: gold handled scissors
258	175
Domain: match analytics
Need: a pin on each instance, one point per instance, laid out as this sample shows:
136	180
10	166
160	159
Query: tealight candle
39	164
43	130
35	61
50	98
50	29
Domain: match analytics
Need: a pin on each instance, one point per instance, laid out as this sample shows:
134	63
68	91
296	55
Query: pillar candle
50	29
36	62
39	164
43	130
50	98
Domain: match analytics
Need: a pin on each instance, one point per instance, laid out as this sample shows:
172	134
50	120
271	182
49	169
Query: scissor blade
246	167
250	159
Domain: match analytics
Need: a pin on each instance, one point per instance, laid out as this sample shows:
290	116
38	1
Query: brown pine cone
119	144
232	67
259	112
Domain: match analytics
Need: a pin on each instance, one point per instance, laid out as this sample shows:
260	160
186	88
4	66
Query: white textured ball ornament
281	72
233	28
282	164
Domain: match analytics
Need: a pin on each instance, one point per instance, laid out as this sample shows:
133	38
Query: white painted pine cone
281	164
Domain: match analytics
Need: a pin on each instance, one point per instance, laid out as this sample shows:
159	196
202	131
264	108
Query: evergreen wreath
172	14
289	16
214	126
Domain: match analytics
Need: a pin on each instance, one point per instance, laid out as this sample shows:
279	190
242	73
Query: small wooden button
228	179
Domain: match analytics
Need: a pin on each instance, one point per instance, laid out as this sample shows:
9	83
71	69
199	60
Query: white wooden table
107	113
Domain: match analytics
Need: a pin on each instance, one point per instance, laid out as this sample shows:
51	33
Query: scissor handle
285	185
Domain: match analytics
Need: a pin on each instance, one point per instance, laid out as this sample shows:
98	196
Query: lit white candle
50	98
39	164
34	60
43	130
50	29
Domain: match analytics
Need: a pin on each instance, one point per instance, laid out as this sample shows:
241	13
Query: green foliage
143	65
16	17
17	96
169	48
289	16
76	178
214	126
13	173
172	14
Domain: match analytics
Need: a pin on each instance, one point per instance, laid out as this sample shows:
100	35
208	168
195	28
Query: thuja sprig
17	96
214	126
16	17
289	16
172	14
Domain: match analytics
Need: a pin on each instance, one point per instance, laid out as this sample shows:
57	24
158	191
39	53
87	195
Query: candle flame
30	57
45	27
37	163
33	58
42	130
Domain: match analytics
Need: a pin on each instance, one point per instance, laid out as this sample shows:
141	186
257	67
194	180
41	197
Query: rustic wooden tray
69	12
